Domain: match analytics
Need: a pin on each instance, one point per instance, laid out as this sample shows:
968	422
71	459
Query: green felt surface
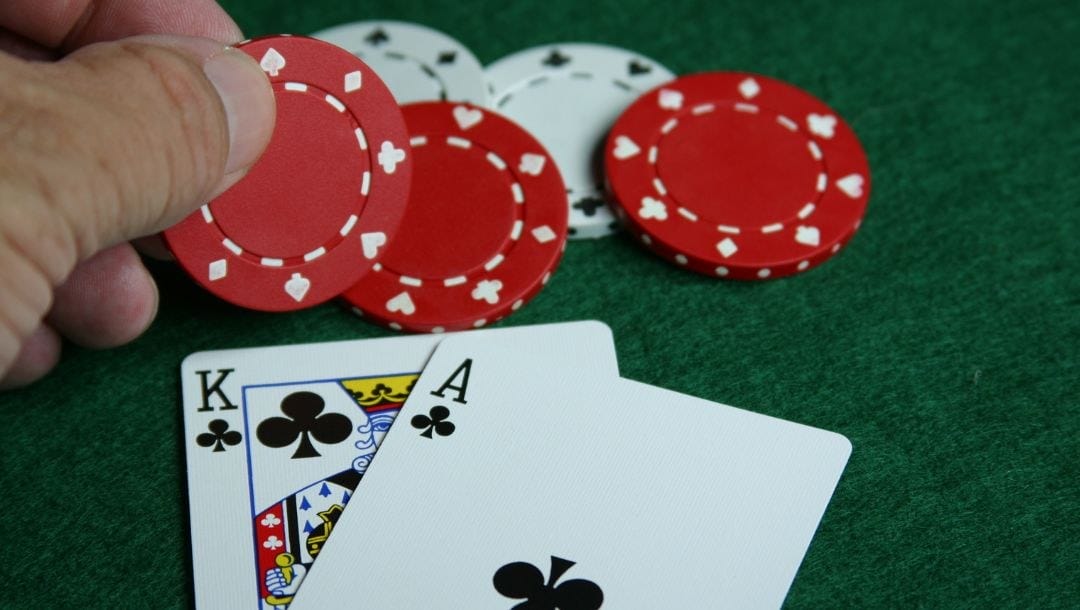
943	342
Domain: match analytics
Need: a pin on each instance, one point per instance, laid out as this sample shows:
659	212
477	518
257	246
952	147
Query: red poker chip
737	175
484	229
315	212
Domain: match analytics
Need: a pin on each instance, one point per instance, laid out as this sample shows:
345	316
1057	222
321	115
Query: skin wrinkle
31	148
194	127
194	124
16	117
49	239
95	164
27	292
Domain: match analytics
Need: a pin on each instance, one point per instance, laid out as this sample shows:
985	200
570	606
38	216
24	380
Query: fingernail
249	105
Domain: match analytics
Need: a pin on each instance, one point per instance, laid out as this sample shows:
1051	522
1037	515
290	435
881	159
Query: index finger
69	24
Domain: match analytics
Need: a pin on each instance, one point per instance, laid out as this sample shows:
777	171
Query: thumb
123	139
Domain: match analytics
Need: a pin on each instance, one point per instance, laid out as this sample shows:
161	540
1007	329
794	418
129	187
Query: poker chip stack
433	194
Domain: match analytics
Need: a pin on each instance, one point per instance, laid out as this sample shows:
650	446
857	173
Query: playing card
508	483
278	438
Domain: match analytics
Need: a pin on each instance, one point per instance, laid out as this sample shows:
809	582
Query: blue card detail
293	426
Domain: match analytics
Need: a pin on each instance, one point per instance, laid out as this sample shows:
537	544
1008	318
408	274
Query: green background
943	342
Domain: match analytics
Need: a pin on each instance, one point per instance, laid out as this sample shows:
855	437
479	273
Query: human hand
143	116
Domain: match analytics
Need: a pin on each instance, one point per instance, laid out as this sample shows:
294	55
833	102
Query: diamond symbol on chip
297	287
372	242
808	236
467	117
749	88
625	148
401	303
543	234
852	185
353	80
390	156
272	62
487	290
727	247
531	163
670	99
218	269
823	125
652	209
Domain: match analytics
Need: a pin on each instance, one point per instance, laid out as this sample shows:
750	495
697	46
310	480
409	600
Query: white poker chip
568	95
416	62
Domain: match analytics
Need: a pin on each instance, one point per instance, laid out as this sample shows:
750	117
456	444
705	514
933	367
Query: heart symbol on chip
823	125
372	242
531	163
297	287
808	236
467	117
625	148
401	303
852	185
670	99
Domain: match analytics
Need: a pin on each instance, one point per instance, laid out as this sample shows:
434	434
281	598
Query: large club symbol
304	420
522	580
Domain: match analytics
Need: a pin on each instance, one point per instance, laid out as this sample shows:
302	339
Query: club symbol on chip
487	290
652	209
390	156
521	580
304	420
219	436
589	205
437	421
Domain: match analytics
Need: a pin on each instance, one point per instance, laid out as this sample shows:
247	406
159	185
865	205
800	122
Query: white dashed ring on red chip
737	175
484	229
316	211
